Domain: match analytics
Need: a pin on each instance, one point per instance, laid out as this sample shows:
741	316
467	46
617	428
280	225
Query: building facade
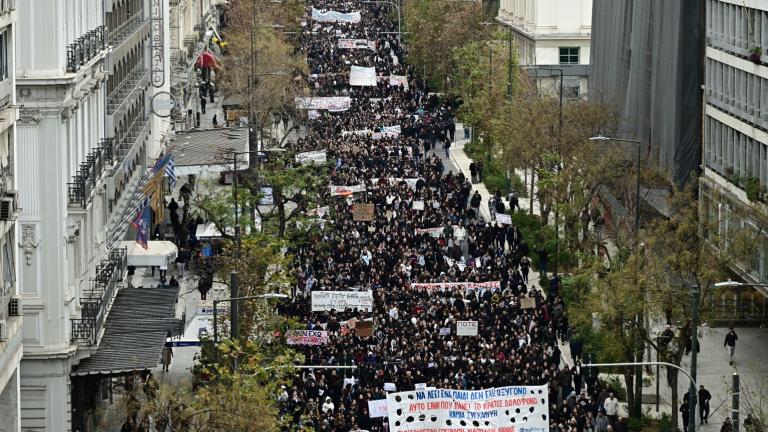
646	61
734	187
10	304
86	74
553	33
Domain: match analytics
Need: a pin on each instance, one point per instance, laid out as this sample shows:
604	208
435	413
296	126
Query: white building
86	74
10	312
735	150
554	33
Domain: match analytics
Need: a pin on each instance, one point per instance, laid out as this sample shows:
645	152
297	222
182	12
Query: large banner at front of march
334	16
346	190
500	409
318	156
340	300
330	103
362	76
306	337
356	44
443	286
399	80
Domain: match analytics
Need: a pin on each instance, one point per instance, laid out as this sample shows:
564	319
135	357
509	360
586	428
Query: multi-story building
646	61
735	154
553	33
10	306
86	73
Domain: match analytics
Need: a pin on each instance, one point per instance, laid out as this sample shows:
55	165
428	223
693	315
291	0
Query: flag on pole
154	187
170	172
141	224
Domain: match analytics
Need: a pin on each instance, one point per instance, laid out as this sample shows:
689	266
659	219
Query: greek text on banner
340	300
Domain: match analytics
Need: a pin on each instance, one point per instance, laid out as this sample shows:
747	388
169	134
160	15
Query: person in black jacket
730	343
704	397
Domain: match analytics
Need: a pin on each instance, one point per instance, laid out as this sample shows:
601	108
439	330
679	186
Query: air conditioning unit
8	207
3	331
14	306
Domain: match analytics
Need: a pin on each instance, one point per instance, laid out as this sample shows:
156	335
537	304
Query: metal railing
79	191
85	48
131	135
740	309
129	86
126	29
97	298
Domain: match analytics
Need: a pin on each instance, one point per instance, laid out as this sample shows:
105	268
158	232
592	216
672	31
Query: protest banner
503	219
306	337
377	408
466	328
356	44
390	131
335	16
390	387
420	386
364	328
444	331
340	300
319	211
330	103
527	303
362	76
418	205
346	190
313	114
363	212
434	232
500	409
398	80
318	156
442	286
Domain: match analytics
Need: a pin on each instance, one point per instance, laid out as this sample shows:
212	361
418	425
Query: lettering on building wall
158	54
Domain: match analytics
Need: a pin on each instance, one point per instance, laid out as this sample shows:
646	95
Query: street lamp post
399	23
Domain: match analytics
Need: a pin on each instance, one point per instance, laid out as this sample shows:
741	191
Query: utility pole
696	295
735	402
509	65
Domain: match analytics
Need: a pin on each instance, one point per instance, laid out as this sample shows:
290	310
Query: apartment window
3	55
569	55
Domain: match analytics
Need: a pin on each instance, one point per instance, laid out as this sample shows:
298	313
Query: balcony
96	300
129	89
135	133
84	182
124	31
85	48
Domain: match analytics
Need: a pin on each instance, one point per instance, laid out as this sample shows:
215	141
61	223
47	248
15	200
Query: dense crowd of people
428	256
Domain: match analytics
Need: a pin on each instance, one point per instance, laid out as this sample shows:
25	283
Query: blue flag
141	223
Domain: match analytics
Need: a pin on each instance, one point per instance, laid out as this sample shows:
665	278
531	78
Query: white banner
346	190
356	44
452	285
340	300
306	337
503	219
411	182
331	103
334	16
318	156
319	211
362	76
466	328
390	131
501	409
398	80
377	408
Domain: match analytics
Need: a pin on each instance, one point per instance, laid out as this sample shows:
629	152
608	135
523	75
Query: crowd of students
426	229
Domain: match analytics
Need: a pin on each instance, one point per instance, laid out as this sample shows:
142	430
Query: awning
158	253
134	333
208	150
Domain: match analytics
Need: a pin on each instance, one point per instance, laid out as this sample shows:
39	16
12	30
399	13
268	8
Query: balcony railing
85	48
135	131
97	298
90	171
131	85
119	35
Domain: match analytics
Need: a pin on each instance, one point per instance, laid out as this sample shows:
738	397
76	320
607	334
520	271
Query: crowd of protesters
427	228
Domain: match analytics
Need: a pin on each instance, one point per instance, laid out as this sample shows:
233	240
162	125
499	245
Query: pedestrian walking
447	147
611	406
730	343
215	121
685	410
704	398
202	103
525	267
480	171
167	355
514	202
473	171
727	425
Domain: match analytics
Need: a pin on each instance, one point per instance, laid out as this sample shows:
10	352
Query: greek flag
170	172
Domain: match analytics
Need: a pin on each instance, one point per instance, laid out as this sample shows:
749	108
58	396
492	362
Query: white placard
318	156
420	386
377	408
390	387
418	205
503	219
362	76
466	328
397	80
519	409
340	300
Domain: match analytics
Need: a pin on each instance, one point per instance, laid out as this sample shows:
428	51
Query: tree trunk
629	380
277	194
675	402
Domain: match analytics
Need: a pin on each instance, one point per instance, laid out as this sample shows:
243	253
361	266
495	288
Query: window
569	55
3	55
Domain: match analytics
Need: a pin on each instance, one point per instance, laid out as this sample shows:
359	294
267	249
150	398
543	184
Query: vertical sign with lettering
158	43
